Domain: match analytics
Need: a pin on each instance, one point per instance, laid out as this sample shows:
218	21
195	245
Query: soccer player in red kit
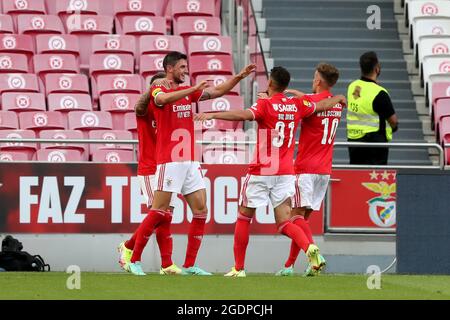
314	160
271	173
146	128
177	171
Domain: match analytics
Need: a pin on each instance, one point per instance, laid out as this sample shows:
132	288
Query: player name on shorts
183	111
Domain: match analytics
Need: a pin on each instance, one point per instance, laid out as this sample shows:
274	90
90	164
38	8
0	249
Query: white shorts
310	189
180	177
257	191
148	185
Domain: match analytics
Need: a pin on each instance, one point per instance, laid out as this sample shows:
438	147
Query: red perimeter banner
106	198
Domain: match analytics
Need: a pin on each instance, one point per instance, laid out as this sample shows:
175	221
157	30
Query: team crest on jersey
307	103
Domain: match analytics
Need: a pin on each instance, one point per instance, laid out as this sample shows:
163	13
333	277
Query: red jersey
175	125
317	134
146	129
277	118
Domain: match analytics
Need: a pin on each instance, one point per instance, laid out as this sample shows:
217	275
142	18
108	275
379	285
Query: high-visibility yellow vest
361	118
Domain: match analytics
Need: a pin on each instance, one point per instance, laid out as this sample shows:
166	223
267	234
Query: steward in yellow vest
370	115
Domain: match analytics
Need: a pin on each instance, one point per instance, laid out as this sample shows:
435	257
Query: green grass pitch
15	285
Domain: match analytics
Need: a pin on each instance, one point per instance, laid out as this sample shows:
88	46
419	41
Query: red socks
295	250
241	237
143	233
295	233
195	236
165	241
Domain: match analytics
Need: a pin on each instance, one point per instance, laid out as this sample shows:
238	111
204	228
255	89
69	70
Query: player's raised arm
235	115
227	86
330	103
294	92
161	97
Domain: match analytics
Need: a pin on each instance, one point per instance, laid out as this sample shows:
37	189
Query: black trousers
374	155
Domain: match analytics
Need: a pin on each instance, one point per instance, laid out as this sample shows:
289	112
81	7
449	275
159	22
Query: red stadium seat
189	26
225	157
120	83
439	90
113	44
65	8
13	63
130	124
20	7
160	44
222	125
6	24
16	82
441	110
444	128
29	148
23	101
182	8
110	135
200	45
68	102
118	105
46	63
8	120
210	64
219	79
229	136
113	156
147	25
151	64
89	120
124	8
17	43
102	63
64	134
61	43
39	24
224	103
14	156
59	155
84	27
38	120
66	83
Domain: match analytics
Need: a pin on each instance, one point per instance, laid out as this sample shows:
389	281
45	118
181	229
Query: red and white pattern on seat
16	82
113	156
39	24
14	63
64	134
59	155
57	43
118	102
188	26
21	7
224	136
114	63
68	102
16	155
119	83
46	63
89	120
210	64
65	8
8	120
109	135
23	101
142	25
216	80
18	134
151	64
66	83
124	8
224	103
440	89
17	43
201	45
6	24
160	44
181	8
222	125
39	120
225	157
114	43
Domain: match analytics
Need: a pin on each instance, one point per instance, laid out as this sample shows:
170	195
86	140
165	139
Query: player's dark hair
280	77
328	72
159	75
172	58
367	62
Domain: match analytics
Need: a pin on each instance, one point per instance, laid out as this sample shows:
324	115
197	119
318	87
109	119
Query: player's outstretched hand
294	92
163	82
247	70
203	116
201	85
